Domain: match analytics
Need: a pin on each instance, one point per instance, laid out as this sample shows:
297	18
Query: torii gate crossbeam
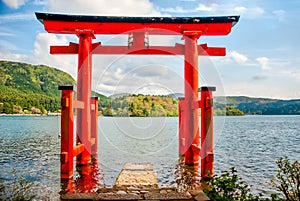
190	28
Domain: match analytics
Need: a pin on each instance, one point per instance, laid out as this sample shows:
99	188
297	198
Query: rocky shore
139	194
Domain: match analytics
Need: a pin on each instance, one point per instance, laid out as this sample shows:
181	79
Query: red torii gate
86	27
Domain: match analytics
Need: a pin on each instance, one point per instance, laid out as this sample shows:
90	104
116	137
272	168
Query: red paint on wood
207	135
67	134
191	96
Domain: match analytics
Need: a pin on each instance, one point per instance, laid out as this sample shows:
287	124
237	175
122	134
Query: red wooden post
94	129
191	96
67	132
207	132
181	137
84	94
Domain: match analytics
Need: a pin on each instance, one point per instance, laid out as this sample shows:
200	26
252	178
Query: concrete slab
168	196
138	166
116	196
78	196
138	175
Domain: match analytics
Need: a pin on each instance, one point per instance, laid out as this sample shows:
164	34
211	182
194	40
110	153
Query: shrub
288	179
229	187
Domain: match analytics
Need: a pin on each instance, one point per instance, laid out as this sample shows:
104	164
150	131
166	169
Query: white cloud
264	62
256	89
160	40
238	57
135	74
5	55
177	9
154	88
293	74
250	13
280	14
16	17
41	54
14	3
203	7
104	7
240	9
6	32
259	77
40	2
5	45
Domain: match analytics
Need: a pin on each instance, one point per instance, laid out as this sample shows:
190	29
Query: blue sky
262	49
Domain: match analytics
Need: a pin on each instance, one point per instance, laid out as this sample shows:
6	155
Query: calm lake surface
250	143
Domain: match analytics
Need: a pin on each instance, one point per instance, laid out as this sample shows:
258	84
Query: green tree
7	108
1	108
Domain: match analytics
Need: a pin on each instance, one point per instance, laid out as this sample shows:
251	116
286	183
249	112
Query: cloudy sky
262	50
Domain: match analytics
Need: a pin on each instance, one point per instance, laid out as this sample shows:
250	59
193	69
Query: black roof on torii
184	20
67	24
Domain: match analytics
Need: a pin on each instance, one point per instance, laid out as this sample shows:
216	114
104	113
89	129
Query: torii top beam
68	24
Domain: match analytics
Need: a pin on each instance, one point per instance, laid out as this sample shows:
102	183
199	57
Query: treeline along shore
27	89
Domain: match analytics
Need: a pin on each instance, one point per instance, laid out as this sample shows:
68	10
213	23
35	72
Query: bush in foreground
229	187
288	179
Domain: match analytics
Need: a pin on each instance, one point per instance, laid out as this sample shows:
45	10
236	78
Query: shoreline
59	114
38	115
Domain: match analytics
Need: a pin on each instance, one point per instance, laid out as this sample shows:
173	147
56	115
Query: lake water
250	143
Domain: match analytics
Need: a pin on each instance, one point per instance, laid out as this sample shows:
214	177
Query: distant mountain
103	100
262	106
176	95
119	95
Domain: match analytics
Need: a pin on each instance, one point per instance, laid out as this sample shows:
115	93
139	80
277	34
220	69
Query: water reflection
187	176
88	179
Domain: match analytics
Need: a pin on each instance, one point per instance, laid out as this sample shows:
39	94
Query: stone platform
137	175
165	194
137	181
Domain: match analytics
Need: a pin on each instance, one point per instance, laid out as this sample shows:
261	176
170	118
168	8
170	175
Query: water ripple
252	144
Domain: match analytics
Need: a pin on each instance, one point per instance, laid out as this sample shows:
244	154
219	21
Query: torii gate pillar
191	119
84	83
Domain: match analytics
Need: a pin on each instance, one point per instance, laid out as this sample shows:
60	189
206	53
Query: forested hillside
25	88
141	106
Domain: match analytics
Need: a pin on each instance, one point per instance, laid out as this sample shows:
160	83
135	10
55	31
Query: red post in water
181	132
67	132
207	132
94	129
84	95
191	120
